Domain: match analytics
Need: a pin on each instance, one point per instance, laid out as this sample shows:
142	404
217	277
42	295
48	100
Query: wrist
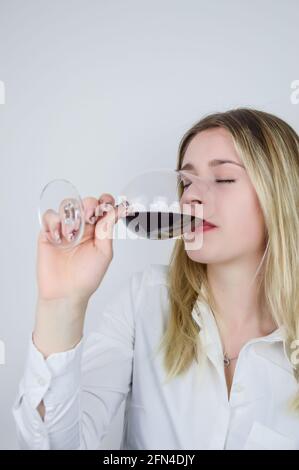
59	324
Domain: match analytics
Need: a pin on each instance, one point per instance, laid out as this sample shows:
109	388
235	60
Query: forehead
210	144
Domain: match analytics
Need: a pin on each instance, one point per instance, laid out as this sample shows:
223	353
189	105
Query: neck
236	297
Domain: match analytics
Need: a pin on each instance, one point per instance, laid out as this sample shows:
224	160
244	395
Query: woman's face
240	230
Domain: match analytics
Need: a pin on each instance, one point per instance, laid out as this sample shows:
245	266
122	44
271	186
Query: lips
207	224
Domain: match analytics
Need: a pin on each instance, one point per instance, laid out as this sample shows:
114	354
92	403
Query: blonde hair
269	150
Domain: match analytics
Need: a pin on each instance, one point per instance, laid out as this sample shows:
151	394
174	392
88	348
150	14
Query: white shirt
83	388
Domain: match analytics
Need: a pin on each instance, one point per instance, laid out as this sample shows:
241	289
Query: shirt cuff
54	379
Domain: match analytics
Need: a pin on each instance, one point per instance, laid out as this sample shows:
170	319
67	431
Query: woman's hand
67	278
77	272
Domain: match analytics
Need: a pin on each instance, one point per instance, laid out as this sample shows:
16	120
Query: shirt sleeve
81	388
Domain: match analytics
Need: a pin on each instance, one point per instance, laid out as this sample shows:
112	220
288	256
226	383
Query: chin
200	257
205	254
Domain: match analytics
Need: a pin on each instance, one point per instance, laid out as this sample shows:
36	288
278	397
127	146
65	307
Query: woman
205	350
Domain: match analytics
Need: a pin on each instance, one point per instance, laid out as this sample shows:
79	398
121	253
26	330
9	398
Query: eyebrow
212	163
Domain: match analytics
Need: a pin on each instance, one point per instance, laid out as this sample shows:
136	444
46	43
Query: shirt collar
210	336
204	317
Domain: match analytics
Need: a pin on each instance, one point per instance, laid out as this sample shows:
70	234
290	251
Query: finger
70	217
90	204
103	208
105	202
108	198
95	208
105	226
52	225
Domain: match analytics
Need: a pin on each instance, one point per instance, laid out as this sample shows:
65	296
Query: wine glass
61	200
158	206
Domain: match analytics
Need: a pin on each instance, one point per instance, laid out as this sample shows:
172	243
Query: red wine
161	225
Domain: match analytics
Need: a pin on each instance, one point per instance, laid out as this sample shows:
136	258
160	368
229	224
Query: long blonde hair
269	149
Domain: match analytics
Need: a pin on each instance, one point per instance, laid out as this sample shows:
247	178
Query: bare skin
232	251
67	279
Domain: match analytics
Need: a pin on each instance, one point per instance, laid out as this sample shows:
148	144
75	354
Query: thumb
104	227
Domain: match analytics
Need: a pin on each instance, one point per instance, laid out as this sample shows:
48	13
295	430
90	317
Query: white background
98	91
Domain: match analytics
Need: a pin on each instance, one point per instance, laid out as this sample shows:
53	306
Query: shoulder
149	286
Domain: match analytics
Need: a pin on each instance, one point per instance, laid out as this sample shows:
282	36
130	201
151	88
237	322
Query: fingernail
57	236
92	219
107	206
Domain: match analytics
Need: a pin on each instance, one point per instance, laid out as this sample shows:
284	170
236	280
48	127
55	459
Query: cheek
242	217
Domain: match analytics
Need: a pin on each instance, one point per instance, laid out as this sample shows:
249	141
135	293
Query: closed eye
225	181
217	181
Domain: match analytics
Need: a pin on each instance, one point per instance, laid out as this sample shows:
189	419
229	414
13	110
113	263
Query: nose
191	195
198	199
191	203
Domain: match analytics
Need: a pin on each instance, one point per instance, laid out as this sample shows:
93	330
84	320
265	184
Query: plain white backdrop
97	91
